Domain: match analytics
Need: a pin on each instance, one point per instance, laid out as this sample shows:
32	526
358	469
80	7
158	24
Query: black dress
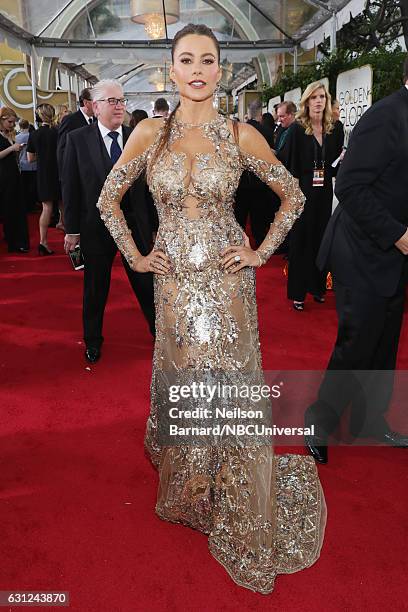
298	155
43	142
13	209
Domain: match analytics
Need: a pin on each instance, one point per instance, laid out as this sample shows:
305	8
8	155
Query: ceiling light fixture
150	14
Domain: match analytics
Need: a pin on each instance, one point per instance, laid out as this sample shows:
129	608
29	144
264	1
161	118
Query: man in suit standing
83	116
286	116
366	247
90	153
253	197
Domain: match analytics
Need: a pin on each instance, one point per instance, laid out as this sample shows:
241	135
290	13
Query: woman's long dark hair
191	28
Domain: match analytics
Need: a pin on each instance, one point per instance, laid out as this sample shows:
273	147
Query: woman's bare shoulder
252	142
245	131
148	128
142	137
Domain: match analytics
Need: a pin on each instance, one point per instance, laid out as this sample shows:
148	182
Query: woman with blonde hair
61	111
42	147
308	153
13	210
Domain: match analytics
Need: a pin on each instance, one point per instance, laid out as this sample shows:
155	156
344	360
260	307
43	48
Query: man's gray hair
98	90
255	109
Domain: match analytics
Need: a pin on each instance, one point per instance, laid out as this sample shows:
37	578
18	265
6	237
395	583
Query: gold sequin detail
117	183
264	515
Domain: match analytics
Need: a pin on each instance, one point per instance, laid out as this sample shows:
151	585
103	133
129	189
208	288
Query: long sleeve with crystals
118	181
292	201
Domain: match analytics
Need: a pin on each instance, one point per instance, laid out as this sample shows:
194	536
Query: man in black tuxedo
253	197
366	246
83	116
90	153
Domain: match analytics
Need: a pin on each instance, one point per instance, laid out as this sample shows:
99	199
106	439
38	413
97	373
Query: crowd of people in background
31	160
307	141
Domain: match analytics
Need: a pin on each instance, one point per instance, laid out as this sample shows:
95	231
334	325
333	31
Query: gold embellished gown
263	514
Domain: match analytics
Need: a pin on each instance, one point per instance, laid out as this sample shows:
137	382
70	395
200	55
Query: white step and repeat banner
272	102
354	93
294	95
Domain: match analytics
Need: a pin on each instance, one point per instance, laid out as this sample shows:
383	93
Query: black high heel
299	305
43	250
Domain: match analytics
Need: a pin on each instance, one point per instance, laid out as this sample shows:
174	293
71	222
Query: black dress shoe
319	299
394	439
92	354
18	250
317	448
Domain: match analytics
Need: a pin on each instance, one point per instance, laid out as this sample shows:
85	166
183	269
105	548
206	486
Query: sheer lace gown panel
264	514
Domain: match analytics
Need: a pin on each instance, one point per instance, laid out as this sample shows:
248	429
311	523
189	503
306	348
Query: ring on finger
237	258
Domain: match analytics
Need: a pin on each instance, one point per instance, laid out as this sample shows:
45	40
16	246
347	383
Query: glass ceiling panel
295	17
36	14
111	18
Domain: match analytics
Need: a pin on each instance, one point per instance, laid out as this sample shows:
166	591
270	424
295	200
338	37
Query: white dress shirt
86	116
107	139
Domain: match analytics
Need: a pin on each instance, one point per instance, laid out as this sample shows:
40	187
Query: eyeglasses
114	101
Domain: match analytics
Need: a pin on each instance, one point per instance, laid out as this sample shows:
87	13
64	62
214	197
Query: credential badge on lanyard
318	173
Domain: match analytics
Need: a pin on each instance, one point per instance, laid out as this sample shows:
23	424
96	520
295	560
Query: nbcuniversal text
241	430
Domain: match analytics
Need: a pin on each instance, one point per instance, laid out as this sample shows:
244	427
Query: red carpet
77	494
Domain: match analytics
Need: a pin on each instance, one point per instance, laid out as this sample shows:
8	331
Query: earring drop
216	96
173	93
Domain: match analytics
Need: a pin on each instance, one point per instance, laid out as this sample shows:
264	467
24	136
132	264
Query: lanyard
316	151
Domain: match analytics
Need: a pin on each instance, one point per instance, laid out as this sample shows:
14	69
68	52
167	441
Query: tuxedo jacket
85	168
372	189
69	123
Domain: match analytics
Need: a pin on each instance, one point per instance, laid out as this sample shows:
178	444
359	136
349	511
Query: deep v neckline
189	171
319	143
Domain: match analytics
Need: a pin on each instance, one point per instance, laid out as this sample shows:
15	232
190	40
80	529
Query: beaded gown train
263	514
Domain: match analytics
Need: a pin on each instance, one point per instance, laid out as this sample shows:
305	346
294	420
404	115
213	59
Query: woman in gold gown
264	514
